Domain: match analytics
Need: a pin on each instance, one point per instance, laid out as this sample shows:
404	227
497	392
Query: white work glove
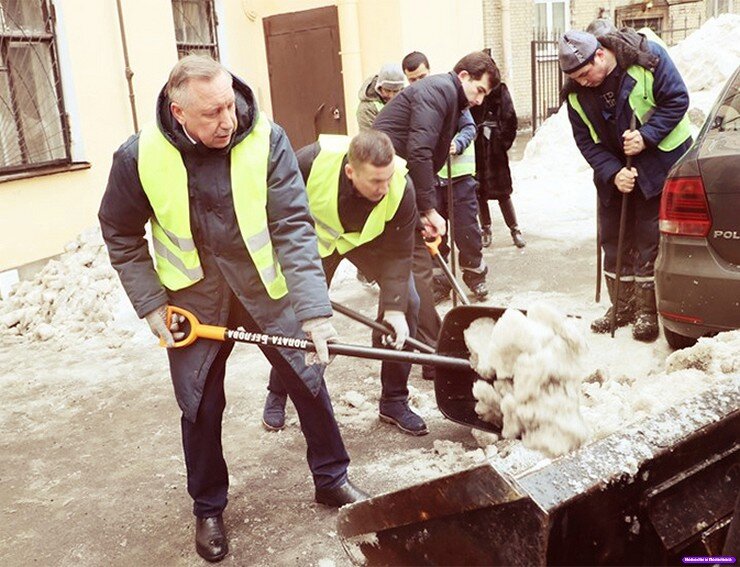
321	332
397	320
157	320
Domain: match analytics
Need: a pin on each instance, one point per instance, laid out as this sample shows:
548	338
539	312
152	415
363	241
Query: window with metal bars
33	123
195	27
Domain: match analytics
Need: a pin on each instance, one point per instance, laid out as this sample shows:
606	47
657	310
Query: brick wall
583	12
519	82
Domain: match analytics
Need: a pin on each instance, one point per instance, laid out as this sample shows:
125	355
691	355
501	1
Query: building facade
77	77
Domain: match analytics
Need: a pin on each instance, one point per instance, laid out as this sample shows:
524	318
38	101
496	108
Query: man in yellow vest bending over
610	78
232	235
365	210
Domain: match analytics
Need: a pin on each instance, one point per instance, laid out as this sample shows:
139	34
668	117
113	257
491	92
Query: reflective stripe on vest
165	181
463	164
322	188
642	101
378	105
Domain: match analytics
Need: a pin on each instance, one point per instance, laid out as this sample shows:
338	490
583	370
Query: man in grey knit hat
376	91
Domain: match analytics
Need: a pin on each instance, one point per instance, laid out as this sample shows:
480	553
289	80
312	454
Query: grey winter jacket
228	268
370	103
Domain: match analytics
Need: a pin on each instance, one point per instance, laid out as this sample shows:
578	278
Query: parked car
697	273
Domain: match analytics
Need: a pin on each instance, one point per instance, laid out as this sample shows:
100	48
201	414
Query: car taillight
683	207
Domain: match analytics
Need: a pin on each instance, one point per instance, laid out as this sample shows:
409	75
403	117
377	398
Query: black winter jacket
421	122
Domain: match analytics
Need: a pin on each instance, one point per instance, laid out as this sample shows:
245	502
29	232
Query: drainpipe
349	36
129	72
506	40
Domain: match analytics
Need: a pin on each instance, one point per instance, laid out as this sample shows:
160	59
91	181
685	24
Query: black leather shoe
347	493
210	538
273	416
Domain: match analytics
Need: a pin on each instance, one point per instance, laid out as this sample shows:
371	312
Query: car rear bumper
698	293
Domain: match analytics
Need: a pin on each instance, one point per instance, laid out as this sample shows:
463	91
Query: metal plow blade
662	488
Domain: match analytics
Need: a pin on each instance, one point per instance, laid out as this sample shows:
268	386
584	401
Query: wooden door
306	73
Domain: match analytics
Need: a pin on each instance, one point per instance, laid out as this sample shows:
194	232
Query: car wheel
676	341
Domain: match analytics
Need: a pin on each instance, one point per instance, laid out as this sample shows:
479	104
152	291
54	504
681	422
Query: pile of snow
612	405
536	362
76	297
710	55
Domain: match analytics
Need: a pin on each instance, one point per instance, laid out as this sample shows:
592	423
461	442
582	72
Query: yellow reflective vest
462	164
642	101
165	181
322	188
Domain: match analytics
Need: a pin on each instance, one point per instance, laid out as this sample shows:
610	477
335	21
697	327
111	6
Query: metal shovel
453	383
433	247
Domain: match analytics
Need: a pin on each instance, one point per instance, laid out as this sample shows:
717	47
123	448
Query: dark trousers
640	247
208	478
465	211
422	268
394	376
506	205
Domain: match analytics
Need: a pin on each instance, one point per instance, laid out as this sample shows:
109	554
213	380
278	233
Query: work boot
441	288
428	372
626	310
486	236
273	416
476	281
645	328
210	538
399	414
364	280
516	236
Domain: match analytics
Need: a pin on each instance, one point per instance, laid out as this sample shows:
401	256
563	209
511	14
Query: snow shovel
453	382
433	247
451	231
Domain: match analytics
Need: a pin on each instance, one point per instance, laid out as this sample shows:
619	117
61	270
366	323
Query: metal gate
547	79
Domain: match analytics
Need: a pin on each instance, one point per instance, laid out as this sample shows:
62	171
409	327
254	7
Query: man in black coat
364	207
421	122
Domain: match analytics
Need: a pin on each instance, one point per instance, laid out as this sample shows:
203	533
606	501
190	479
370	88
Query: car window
728	112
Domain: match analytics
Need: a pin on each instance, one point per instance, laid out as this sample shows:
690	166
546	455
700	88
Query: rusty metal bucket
662	488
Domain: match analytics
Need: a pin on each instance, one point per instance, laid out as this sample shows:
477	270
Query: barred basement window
33	125
195	27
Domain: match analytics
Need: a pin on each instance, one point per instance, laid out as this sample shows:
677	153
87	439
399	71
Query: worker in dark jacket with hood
421	121
235	245
365	211
610	79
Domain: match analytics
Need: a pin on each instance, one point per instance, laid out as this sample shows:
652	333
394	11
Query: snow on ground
75	308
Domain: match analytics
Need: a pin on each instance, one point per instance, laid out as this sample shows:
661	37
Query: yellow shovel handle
197	330
433	245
